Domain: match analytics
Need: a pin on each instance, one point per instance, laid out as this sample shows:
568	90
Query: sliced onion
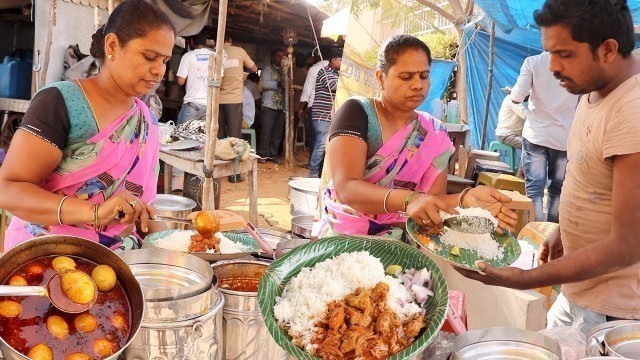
421	293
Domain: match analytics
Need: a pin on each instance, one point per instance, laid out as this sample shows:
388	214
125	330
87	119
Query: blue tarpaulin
441	71
517	37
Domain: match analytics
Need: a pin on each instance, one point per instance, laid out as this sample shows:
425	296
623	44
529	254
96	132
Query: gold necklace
95	118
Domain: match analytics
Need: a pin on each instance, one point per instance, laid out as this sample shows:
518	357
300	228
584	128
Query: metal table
193	161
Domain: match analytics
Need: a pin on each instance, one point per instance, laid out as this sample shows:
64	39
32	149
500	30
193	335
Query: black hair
591	21
254	77
334	54
396	46
130	20
276	50
200	38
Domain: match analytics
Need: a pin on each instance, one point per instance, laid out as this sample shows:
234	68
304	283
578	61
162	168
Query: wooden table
192	162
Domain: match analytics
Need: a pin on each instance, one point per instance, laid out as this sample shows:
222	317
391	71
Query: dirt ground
273	188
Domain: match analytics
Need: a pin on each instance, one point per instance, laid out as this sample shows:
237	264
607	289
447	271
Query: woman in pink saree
388	161
85	160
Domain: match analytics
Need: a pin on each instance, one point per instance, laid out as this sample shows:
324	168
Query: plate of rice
232	245
367	298
465	250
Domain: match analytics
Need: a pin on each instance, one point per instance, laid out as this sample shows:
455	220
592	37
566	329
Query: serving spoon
470	224
53	291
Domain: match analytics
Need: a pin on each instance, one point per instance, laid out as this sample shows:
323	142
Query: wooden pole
492	40
288	121
213	99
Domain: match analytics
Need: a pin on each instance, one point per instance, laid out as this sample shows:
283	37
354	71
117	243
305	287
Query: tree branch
468	11
456	8
439	10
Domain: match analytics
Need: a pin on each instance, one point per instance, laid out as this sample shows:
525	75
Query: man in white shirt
309	94
510	123
193	71
545	133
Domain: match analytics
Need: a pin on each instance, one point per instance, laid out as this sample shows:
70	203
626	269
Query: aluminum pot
303	196
75	246
245	334
623	341
173	206
302	225
505	343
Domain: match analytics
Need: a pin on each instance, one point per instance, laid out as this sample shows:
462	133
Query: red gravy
29	328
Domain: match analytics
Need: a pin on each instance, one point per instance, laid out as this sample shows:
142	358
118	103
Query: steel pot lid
503	344
166	275
173	202
308	185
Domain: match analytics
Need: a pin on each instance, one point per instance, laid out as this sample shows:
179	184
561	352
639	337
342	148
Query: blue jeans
320	130
540	164
191	111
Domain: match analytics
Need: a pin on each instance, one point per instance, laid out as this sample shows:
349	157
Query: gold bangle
407	200
461	196
96	219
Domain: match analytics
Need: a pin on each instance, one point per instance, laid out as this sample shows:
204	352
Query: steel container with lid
183	318
505	343
244	332
173	206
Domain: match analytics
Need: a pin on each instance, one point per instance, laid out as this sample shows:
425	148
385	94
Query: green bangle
408	199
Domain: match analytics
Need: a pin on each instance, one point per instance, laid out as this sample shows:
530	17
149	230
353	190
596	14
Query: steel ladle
470	224
53	290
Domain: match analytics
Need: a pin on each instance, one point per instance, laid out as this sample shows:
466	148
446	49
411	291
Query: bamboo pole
492	40
213	99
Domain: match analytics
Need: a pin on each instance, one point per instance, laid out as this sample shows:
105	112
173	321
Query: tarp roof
517	37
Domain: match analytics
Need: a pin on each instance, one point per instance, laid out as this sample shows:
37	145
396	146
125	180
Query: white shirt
194	66
309	89
551	107
248	106
510	118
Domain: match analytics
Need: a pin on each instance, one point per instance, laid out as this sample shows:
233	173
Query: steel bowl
594	346
74	246
623	341
302	225
284	247
173	206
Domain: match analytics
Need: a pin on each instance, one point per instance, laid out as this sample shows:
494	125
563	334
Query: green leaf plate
240	239
390	252
467	259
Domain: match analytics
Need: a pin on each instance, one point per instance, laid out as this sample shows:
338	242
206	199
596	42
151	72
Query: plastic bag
571	339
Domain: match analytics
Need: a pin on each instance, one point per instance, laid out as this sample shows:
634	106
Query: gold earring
110	57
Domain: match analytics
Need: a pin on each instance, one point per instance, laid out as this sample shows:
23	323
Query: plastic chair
507	153
252	137
536	233
502	181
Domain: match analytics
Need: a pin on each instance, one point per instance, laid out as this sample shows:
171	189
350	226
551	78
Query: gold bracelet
96	219
407	200
461	196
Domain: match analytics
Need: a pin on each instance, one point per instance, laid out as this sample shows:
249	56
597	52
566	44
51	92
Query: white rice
306	296
483	244
180	240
